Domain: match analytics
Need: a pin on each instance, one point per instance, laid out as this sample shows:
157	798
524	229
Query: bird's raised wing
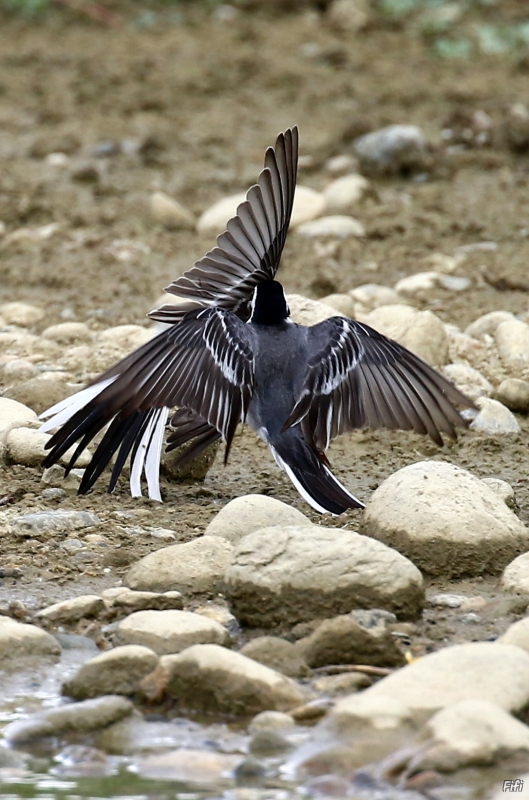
250	249
359	378
205	364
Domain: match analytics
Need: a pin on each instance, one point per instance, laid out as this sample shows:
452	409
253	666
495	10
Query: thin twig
365	669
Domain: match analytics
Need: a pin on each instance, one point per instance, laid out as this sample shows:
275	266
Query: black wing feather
360	378
250	249
205	364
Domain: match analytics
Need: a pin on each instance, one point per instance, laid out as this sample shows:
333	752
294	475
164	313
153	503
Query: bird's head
269	304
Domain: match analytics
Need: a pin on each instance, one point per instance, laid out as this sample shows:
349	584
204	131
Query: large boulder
297	573
498	673
89	715
210	678
445	520
116	671
18	640
472	733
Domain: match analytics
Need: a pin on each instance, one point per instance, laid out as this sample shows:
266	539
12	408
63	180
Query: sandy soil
196	104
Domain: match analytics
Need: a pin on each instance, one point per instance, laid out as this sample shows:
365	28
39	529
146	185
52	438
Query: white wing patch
334	370
63	411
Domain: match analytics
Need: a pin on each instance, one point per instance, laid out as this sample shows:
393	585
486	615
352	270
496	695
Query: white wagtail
231	353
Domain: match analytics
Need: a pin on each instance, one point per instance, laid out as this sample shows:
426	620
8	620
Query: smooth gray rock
517	633
271	721
373	295
56	521
170	631
515	577
24	315
70	611
343	640
498	673
512	341
87	716
68	333
420	331
343	194
12	412
392	149
494	418
472	733
297	573
45	389
421	284
251	512
343	683
342	303
170	213
27	447
127	600
199	769
211	678
116	671
468	380
445	520
18	640
488	323
195	567
514	393
338	226
278	654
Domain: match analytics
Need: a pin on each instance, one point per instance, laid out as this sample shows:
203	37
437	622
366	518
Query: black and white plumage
298	387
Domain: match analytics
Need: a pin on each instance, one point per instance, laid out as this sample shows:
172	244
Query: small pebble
470	619
19	370
170	213
106	148
53	494
341	164
60	160
338	227
447	600
393	148
513	393
494	418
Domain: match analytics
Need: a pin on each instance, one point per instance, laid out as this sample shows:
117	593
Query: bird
230	353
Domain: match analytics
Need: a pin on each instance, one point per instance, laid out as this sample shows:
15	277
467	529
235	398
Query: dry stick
366	669
95	11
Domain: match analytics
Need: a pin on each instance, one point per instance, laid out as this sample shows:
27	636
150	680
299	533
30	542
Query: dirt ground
192	105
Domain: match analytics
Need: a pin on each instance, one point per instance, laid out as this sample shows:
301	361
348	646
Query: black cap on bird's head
269	304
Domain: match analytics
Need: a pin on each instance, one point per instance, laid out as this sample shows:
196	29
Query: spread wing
249	251
205	364
360	378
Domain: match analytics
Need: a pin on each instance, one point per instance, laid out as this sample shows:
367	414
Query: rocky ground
350	655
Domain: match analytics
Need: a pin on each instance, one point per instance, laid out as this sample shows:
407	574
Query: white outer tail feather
301	489
149	451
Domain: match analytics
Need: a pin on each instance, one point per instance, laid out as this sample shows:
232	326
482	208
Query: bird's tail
313	480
